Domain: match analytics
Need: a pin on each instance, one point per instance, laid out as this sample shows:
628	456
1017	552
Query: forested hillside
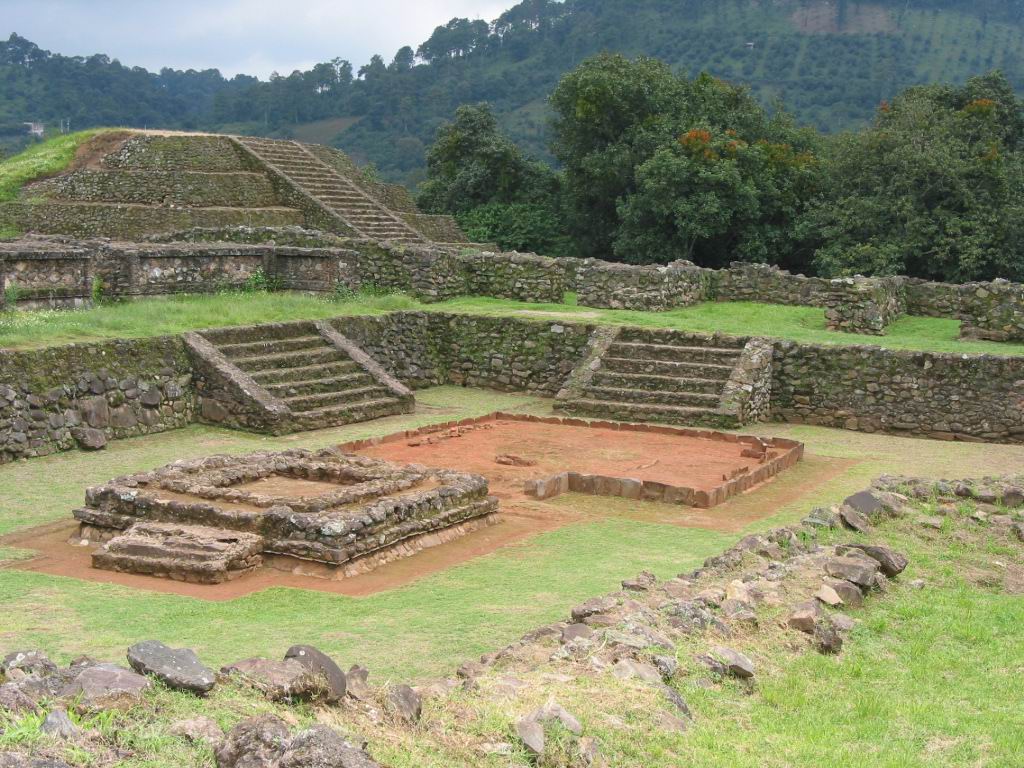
831	63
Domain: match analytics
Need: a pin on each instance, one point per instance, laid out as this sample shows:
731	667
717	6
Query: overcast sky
235	36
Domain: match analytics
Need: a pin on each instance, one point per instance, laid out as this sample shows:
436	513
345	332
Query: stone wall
943	396
748	391
927	299
133	221
993	311
769	285
864	305
212	154
56	398
181	188
439	229
649	288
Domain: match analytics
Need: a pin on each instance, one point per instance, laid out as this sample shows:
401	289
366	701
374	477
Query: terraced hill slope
127	185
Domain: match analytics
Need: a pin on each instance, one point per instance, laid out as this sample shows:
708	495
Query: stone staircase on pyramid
291	377
672	377
365	215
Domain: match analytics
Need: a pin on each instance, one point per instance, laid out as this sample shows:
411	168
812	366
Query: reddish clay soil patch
644	455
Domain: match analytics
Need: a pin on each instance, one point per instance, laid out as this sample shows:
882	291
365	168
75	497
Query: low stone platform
208	519
192	553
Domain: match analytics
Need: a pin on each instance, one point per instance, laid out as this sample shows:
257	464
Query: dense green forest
831	63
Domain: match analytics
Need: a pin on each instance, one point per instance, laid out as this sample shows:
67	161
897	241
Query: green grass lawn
176	314
421	628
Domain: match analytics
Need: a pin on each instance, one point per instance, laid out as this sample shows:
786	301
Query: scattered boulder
627	669
323	747
804	617
935	523
827	639
405	704
891	562
854	520
734	662
593	607
669	723
14	699
89	438
666	665
106	686
258	742
859	571
278	680
849	593
576	632
199	729
319	663
1018	530
58	725
177	668
29	663
821	518
531	732
641	583
828	595
676	698
865	503
530	727
356	683
1013	498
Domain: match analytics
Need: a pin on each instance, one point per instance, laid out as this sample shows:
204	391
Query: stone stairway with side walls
365	215
290	377
632	374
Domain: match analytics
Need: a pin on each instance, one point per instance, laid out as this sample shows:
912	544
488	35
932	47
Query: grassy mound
39	161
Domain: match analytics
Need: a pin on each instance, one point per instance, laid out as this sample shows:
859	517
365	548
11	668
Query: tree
933	189
611	114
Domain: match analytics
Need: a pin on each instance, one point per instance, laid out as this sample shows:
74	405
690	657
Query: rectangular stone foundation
331	513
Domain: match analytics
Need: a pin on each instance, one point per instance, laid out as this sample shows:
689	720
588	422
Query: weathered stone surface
356	683
828	595
197	729
867	503
735	663
827	639
593	607
405	704
891	562
320	663
13	699
58	725
323	747
89	438
278	680
177	668
576	632
804	617
850	593
531	732
194	553
106	686
855	570
28	662
854	520
628	669
255	743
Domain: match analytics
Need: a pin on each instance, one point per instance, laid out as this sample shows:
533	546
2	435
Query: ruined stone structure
58	398
212	520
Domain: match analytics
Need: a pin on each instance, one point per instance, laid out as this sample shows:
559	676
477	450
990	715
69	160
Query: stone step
651	397
191	553
266	346
680	338
668	368
302	358
654	382
295	387
307	403
666	414
673	353
301	373
221	337
338	415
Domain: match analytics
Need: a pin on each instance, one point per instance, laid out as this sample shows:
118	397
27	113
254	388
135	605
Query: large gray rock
357	685
854	520
531	732
89	438
321	664
867	503
891	562
106	686
177	668
278	680
199	729
804	616
629	669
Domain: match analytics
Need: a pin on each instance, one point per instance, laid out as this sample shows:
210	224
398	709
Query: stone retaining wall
211	154
85	394
943	396
182	188
993	311
864	305
648	288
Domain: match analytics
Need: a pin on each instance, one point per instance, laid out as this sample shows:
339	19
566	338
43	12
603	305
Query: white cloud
235	36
